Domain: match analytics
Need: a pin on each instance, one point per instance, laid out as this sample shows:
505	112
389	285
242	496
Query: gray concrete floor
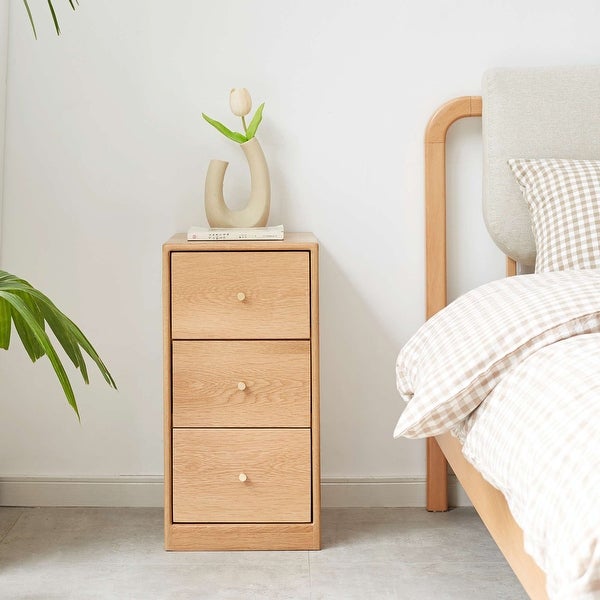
378	553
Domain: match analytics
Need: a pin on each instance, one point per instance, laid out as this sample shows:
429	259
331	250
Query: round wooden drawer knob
243	477
241	296
241	386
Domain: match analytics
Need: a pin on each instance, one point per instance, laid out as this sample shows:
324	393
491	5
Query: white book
205	234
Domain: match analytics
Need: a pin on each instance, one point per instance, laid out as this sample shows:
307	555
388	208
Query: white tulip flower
241	105
240	102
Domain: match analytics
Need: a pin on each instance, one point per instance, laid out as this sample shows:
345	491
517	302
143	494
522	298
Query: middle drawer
241	383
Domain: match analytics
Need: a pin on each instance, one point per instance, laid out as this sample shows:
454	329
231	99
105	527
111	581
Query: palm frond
29	310
30	18
52	13
54	17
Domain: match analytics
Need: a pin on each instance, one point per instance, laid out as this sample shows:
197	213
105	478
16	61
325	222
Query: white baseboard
76	491
148	491
384	492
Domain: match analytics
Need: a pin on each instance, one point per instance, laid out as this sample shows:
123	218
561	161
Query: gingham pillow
457	357
564	203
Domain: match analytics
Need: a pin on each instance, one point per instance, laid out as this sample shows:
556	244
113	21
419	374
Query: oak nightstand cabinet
241	394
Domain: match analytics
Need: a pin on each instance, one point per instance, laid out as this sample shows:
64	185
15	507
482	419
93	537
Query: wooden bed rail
435	256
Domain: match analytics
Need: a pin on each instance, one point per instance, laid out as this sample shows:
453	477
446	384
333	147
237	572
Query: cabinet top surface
293	241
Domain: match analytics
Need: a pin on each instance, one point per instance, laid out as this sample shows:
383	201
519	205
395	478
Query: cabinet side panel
166	298
315	385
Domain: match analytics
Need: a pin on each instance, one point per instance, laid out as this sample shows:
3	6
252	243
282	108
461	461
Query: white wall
3	73
105	158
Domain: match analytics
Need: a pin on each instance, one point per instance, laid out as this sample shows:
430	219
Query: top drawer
240	295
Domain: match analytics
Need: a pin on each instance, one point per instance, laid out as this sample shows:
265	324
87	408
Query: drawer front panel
241	383
209	467
240	295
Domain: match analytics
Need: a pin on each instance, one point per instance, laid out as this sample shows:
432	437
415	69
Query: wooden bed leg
437	478
511	267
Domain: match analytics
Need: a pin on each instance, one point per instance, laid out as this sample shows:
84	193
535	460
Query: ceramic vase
256	212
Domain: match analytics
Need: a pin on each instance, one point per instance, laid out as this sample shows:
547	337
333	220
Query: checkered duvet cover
458	356
536	437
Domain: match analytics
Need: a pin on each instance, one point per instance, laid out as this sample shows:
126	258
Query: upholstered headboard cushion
532	113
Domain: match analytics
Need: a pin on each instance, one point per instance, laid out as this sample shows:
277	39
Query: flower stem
244	124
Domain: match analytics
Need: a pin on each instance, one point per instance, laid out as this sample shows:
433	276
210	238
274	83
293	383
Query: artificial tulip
241	105
240	102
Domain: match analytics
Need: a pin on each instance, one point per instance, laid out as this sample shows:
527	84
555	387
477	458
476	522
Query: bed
508	404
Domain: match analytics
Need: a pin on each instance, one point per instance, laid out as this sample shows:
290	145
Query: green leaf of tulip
256	119
30	310
232	135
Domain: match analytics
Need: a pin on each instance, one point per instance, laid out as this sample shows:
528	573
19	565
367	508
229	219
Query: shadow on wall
359	401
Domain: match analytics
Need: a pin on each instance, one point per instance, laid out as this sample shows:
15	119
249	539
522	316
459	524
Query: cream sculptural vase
256	212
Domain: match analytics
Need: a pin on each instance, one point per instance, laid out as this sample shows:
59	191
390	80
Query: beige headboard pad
532	113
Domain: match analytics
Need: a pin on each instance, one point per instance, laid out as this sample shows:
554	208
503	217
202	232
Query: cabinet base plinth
242	536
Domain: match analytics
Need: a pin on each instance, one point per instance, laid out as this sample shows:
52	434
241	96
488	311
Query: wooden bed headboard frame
435	256
489	502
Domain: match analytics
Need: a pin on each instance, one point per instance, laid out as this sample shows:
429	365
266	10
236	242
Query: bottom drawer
241	476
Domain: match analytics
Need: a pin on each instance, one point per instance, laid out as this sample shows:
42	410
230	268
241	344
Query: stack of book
203	234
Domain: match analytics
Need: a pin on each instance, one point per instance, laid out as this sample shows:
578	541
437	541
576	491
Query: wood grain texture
207	464
315	397
488	501
448	113
494	512
275	376
294	240
167	386
206	287
437	478
511	267
242	536
267	535
435	228
435	254
435	196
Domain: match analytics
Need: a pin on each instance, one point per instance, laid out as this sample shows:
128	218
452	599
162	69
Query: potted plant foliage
30	311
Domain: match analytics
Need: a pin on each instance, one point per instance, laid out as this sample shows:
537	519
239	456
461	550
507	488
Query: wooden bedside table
241	394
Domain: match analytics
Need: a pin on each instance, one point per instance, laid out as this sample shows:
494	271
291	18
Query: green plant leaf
30	309
56	321
4	324
30	18
66	331
21	289
52	12
85	345
20	307
256	119
232	135
30	342
54	17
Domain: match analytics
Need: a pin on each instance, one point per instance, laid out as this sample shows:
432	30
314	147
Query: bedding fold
513	369
536	438
459	355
